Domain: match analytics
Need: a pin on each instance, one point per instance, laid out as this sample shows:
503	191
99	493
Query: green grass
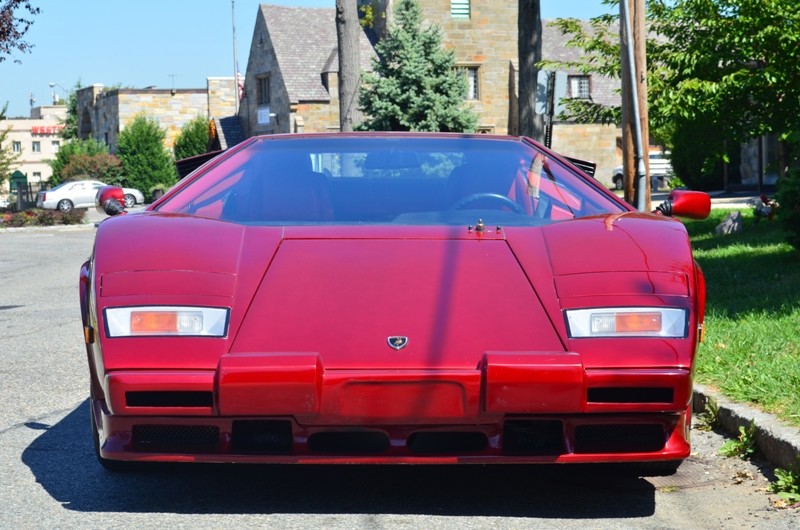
751	350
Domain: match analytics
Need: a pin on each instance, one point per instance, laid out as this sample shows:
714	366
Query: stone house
292	81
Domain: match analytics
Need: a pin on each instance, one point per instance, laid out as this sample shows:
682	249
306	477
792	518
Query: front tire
65	205
617	182
130	200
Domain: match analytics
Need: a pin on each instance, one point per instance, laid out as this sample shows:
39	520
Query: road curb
776	440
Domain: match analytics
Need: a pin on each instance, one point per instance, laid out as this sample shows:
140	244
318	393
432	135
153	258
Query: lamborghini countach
392	298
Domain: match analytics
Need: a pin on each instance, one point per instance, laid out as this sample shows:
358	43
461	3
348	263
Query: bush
21	219
45	218
788	197
73	217
144	159
192	140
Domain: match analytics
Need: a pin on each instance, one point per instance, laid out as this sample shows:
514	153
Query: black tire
65	205
130	200
617	182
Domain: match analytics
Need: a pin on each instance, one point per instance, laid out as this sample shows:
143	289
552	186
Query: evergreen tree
192	140
414	85
148	165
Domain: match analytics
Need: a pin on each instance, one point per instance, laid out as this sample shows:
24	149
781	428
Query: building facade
292	85
104	112
36	141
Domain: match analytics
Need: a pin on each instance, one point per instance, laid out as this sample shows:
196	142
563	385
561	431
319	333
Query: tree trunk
529	22
347	33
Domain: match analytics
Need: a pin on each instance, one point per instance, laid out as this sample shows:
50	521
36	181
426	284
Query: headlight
166	321
627	322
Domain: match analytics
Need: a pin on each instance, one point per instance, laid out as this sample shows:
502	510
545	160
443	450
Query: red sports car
392	298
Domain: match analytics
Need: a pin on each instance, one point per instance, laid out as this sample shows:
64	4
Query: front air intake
630	395
262	436
533	437
610	438
447	442
175	438
169	399
349	442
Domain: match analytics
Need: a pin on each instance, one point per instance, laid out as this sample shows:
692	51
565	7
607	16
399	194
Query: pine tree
147	164
414	85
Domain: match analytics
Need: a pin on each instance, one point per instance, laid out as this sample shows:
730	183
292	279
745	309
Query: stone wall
593	142
103	114
222	96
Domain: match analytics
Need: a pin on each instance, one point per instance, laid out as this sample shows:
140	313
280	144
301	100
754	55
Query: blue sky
138	43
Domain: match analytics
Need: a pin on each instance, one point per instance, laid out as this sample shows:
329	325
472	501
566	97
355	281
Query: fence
24	195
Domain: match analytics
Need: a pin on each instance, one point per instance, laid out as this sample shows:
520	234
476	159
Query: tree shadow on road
62	460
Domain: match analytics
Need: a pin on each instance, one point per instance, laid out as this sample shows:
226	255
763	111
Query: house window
262	90
36	147
472	74
16	147
579	87
37	176
459	8
55	144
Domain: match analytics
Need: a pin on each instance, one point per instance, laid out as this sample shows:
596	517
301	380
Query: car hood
343	292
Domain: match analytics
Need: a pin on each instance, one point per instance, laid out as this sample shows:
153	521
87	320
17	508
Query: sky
160	43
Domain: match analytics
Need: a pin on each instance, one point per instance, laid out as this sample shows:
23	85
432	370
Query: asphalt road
49	477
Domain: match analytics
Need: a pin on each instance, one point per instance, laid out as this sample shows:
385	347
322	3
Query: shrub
788	197
144	159
45	218
20	219
73	217
193	139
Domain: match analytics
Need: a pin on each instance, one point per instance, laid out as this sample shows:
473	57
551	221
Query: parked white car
80	194
660	171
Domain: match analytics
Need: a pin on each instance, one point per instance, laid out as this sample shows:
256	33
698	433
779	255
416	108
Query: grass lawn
752	343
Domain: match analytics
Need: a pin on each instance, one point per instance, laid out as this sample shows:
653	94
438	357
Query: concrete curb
777	441
61	228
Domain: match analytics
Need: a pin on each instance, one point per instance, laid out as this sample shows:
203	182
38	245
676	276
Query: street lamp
53	86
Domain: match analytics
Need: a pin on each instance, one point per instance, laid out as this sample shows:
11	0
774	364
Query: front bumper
541	407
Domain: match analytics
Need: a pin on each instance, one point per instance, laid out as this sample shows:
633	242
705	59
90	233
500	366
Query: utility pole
235	61
635	130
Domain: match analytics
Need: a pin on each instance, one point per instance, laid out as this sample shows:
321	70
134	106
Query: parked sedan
80	194
392	298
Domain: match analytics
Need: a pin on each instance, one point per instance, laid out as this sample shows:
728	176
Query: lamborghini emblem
398	343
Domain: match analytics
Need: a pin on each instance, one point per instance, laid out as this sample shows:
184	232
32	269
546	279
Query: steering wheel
502	200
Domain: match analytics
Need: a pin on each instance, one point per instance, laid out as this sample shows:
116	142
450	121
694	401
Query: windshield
390	178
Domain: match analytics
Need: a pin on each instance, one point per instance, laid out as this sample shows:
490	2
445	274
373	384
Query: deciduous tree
68	151
14	27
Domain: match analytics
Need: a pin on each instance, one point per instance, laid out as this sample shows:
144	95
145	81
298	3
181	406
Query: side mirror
110	200
685	203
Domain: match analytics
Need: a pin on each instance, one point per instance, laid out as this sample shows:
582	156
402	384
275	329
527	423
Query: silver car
80	194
